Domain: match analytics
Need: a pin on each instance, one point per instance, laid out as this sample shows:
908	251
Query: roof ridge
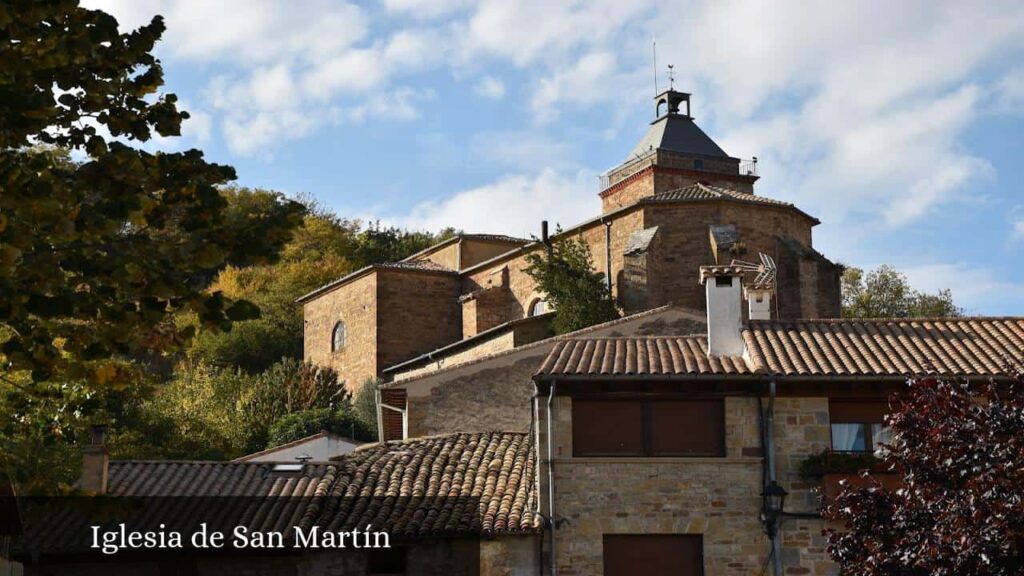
892	319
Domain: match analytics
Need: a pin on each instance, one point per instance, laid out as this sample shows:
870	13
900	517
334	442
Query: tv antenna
764	272
654	50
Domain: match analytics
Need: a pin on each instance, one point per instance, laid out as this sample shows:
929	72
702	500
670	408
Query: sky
899	125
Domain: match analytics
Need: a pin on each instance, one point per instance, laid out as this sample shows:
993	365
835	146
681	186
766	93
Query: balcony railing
746	167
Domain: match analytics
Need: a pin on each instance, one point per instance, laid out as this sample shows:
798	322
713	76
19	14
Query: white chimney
725	309
759	301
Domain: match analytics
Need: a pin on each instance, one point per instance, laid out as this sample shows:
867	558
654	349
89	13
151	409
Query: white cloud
424	9
491	88
973	287
521	150
1018	230
511	205
583	83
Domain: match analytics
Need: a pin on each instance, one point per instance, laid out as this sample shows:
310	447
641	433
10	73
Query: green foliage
886	293
99	254
388	244
299	425
364	407
578	294
828	462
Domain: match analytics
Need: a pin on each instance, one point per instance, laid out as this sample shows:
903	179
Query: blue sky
900	125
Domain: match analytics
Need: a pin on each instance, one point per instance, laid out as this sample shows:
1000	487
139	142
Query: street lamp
773	502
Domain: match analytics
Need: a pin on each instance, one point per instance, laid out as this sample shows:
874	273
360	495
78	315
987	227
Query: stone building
677	201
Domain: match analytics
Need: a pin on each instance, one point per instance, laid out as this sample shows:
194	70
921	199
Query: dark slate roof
827	349
640	241
677	133
479	484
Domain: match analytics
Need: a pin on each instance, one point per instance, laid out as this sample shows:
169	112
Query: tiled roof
428	265
628	356
911	346
458	484
708	192
719	270
841	348
420	265
703	192
496	238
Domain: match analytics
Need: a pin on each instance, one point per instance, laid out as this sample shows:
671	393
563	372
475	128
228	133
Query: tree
958	449
298	425
97	255
886	293
565	274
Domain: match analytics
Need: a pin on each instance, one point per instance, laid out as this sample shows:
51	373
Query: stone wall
355	303
418	312
684	245
496	399
718	498
447	256
801	430
477	250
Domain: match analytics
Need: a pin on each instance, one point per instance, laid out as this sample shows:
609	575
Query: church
674	440
675	203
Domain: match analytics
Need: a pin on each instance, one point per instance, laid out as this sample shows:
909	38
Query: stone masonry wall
356	304
684	244
801	430
497	399
716	497
417	312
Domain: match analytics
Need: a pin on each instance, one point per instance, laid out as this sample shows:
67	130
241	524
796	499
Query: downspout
380	415
553	525
769	437
608	254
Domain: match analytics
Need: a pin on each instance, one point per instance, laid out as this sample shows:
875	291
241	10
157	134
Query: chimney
759	301
725	310
95	461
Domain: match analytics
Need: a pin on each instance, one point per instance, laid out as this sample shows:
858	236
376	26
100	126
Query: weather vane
671	77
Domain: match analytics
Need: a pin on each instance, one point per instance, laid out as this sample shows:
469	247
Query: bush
298	425
829	462
364	408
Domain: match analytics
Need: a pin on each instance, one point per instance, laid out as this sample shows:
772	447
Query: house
318	447
458	504
657	450
676	202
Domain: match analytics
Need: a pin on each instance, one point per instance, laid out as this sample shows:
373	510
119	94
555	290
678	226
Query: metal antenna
766	270
654	49
671	77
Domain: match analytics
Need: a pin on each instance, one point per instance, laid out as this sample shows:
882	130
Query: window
339	335
657	428
698	164
538	307
653	554
858	426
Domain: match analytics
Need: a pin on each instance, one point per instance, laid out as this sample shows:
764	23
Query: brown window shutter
653	554
857	411
687	427
391	420
607	428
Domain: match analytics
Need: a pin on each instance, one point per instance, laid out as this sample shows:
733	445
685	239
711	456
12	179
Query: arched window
538	307
339	335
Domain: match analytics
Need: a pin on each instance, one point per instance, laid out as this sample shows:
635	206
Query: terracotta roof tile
817	348
644	355
458	484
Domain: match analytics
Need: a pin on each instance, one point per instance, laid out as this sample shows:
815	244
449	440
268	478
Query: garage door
653	555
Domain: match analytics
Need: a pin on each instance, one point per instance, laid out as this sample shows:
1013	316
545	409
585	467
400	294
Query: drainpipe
551	478
380	415
608	253
769	440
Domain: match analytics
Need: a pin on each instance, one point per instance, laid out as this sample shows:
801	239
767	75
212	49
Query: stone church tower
676	202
